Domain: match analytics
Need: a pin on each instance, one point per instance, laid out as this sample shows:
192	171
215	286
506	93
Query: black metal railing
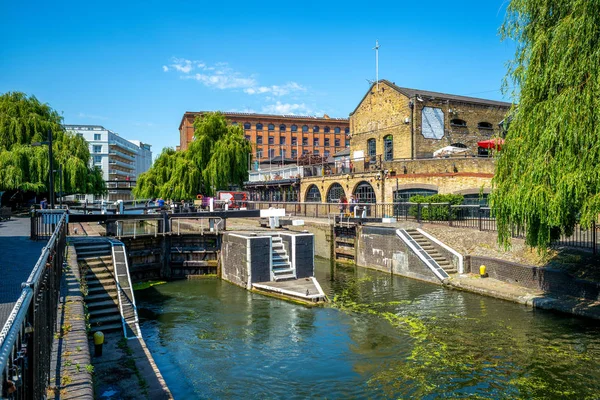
26	339
458	216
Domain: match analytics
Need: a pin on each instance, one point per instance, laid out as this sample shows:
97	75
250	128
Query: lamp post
50	161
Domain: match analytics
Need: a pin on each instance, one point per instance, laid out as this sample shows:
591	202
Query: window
304	141
364	193
258	139
326	153
304	128
97	149
316	152
337	129
304	152
271	153
335	192
485	125
326	129
313	195
271	127
476	200
294	128
388	148
281	139
247	137
271	140
315	129
259	127
259	153
97	136
282	128
246	126
234	123
315	141
371	150
282	153
347	130
337	142
347	143
326	141
294	153
294	140
97	159
458	122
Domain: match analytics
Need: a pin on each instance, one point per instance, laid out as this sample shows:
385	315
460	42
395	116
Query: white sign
432	123
272	212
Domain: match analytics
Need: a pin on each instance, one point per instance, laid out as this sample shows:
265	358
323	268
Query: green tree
217	158
547	176
24	120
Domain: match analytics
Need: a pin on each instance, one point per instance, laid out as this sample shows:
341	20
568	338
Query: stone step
280	271
108	328
105	320
280	256
101	275
102	289
280	264
277	245
276	239
100	297
93	253
101	304
108	310
94	281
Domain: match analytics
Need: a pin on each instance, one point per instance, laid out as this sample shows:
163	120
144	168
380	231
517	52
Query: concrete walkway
18	255
529	297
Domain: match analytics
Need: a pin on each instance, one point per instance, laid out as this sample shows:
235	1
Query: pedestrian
44	204
352	204
343	205
160	202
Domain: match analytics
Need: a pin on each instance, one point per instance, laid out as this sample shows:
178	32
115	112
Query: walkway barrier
44	222
458	216
26	338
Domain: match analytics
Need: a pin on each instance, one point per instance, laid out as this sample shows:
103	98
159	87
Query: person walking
44	204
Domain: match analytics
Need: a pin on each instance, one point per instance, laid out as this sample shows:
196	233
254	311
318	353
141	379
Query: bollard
482	272
98	342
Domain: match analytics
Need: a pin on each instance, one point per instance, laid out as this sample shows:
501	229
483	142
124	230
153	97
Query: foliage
24	120
547	173
435	212
218	157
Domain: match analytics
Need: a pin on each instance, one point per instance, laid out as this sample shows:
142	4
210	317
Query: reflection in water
384	337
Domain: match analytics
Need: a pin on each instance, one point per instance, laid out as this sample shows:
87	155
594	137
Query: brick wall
388	112
551	281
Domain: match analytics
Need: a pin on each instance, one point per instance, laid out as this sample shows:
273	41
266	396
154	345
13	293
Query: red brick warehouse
288	136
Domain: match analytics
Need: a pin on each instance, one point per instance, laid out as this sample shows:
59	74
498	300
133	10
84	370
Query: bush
435	212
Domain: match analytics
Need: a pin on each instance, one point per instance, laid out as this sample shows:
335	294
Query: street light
51	174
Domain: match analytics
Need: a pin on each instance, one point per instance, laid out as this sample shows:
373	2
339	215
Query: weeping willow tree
217	158
548	174
24	120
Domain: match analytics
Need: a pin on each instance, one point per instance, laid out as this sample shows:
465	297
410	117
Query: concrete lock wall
234	258
305	255
260	253
549	280
381	249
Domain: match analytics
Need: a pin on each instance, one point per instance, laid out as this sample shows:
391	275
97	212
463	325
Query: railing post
449	214
419	212
595	250
480	217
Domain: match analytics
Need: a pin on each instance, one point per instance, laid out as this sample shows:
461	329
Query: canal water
383	337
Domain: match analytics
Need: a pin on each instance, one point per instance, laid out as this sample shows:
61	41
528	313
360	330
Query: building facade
285	136
395	132
119	159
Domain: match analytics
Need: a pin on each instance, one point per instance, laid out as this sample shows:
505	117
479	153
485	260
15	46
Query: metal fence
458	216
44	223
26	339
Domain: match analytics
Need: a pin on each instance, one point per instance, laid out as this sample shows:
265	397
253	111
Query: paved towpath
18	255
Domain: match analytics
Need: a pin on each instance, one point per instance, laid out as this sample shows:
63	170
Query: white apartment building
120	160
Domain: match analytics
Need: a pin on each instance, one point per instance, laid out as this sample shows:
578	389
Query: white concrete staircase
426	245
96	264
282	268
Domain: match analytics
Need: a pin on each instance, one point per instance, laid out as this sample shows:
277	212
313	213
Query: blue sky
136	67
